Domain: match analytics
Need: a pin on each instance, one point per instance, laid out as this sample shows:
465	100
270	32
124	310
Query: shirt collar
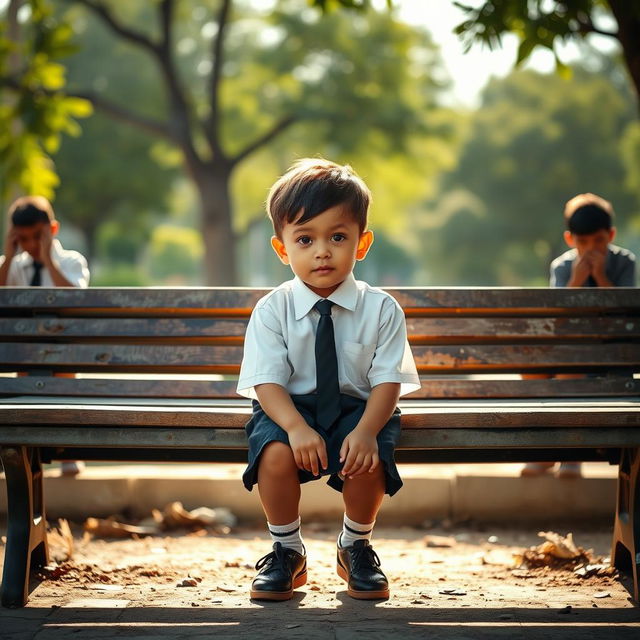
346	295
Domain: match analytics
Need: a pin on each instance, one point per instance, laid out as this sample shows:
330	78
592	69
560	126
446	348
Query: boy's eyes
306	240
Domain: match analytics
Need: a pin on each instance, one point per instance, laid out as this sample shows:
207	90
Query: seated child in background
325	359
592	261
34	257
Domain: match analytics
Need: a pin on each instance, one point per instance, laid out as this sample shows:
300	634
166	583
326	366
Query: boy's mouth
323	269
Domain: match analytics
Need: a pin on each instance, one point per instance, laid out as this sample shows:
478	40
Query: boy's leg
285	568
358	563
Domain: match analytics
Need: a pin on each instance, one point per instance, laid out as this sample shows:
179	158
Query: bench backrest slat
468	343
432	387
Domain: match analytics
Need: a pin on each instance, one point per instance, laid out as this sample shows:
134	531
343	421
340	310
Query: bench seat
140	374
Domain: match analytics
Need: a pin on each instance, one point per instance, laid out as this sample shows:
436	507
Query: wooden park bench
468	344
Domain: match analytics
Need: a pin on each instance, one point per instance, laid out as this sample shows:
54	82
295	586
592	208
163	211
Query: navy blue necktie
36	278
327	385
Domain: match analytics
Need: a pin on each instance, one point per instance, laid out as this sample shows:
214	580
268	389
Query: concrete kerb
489	493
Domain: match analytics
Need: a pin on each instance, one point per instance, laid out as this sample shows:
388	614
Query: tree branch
128	34
272	133
586	26
216	76
150	125
166	15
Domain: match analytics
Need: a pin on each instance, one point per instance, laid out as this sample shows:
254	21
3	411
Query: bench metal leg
26	533
625	551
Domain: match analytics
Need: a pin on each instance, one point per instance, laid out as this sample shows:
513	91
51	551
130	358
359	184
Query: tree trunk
627	15
216	216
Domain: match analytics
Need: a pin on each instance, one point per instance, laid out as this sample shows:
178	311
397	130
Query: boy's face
30	237
586	242
323	250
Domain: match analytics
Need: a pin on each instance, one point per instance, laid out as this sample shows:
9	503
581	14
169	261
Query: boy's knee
277	460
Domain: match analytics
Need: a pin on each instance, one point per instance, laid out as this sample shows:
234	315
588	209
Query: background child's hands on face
359	452
597	260
46	238
582	267
309	449
11	242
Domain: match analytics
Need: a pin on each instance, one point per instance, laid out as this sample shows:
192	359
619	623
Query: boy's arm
10	249
51	264
359	450
309	449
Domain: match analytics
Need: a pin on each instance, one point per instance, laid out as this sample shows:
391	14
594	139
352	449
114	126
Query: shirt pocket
356	362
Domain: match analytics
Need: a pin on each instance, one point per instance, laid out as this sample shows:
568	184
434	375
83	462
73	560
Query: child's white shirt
370	334
72	264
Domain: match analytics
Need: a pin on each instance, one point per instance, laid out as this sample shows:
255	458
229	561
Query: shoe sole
298	581
383	594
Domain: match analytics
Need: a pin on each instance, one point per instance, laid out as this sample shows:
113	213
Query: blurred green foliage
459	197
536	141
36	112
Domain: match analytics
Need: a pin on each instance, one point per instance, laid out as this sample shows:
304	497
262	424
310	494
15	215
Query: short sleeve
75	270
393	360
626	277
559	274
265	353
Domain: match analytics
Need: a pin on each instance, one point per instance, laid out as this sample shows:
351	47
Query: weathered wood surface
416	414
225	301
432	330
226	359
431	387
459	439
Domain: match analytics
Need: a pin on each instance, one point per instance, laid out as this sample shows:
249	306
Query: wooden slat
221	359
226	301
457	440
442	330
609	386
432	388
121	358
421	330
524	358
109	387
415	414
173	330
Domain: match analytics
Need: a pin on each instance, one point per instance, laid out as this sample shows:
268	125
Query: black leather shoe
359	566
279	573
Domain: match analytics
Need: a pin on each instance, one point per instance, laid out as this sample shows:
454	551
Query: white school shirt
370	335
72	265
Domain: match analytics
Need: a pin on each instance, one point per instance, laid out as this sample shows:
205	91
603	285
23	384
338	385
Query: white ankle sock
288	535
352	531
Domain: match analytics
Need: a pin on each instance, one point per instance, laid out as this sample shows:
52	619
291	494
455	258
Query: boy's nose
322	249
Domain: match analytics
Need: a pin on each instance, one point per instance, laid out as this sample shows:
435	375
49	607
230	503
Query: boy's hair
313	185
29	210
587	213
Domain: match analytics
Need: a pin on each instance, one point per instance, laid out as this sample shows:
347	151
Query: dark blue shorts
261	430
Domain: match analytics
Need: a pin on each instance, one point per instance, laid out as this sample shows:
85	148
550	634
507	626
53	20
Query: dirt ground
469	589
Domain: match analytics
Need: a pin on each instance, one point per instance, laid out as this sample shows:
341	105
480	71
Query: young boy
325	359
32	254
592	261
34	257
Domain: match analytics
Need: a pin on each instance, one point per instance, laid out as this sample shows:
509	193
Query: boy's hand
46	239
11	243
309	449
598	261
359	452
581	269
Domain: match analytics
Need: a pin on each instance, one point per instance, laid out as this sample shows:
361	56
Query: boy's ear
55	227
612	234
364	244
568	238
278	247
